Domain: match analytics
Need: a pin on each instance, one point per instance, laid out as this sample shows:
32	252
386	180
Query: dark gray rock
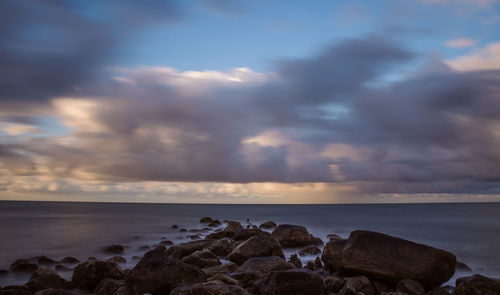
222	247
206	220
289	235
332	254
256	246
23	265
268	225
69	260
108	286
185	249
222	269
87	275
45	278
477	285
245	234
44	260
209	288
333	284
356	285
295	260
265	264
410	287
114	249
309	250
291	282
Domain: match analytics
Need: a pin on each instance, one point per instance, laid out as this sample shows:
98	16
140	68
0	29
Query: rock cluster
366	263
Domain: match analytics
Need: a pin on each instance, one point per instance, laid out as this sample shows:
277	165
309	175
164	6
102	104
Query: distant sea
56	229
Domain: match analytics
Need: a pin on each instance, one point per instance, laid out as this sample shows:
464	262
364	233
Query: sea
57	229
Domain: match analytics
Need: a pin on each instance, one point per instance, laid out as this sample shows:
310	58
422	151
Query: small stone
69	260
44	260
206	220
268	224
214	223
23	265
166	243
295	260
410	287
309	250
117	259
175	226
114	249
333	284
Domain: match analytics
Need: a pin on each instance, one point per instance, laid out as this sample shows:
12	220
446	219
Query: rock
256	246
317	264
245	234
183	230
144	248
44	260
4	272
265	264
439	291
309	265
23	265
291	282
223	269
246	279
333	284
69	260
233	226
410	287
309	250
166	243
175	226
333	237
380	256
289	235
15	290
220	235
209	288
295	261
463	267
61	267
194	237
222	247
477	285
206	220
87	275
381	286
223	278
202	259
184	249
332	254
121	291
117	259
392	293
114	249
108	286
214	223
54	292
45	278
268	224
157	273
358	284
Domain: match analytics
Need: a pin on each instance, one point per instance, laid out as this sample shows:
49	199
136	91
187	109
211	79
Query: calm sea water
54	229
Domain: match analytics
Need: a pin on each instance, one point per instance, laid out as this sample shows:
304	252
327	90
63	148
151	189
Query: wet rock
289	235
220	235
117	259
223	278
332	254
222	247
183	230
175	226
209	288
381	286
463	267
309	250
333	237
69	260
477	285
121	291
202	259
268	225
333	284
291	282
144	248
45	278
23	265
4	272
44	260
317	264
439	291
392	293
54	292
410	287
185	249
114	249
108	286
233	226
265	264
309	265
206	220
157	273
15	290
166	243
214	223
223	269
245	234
392	259
246	279
295	260
356	285
194	237
61	267
88	274
256	246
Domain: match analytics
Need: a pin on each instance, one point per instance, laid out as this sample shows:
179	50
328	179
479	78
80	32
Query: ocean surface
469	230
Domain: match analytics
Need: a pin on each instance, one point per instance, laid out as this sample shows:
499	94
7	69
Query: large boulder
185	249
54	292
222	247
392	259
265	264
108	286
309	250
256	246
356	285
23	265
289	235
87	275
114	249
220	269
45	278
245	234
477	285
158	274
332	254
233	226
220	234
15	290
202	259
209	288
268	225
410	287
291	282
206	220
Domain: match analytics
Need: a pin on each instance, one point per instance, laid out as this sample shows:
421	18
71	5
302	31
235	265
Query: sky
262	101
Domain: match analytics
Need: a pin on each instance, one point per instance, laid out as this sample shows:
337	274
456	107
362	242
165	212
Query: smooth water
55	229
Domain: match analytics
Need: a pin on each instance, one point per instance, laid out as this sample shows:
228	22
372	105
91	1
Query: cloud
20	129
460	43
487	58
331	119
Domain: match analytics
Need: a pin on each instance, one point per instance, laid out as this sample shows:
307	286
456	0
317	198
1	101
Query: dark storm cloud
329	118
48	48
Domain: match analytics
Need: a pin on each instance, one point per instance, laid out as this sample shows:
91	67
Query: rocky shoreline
229	258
